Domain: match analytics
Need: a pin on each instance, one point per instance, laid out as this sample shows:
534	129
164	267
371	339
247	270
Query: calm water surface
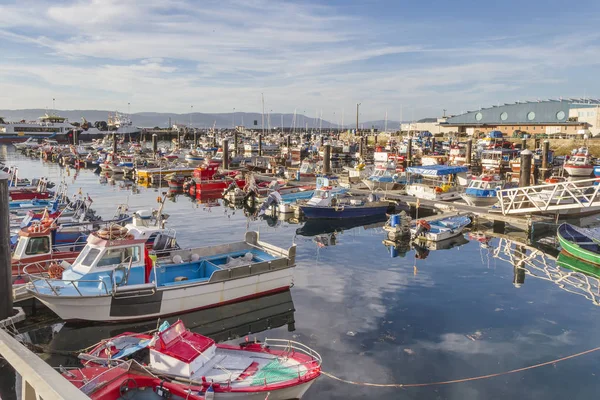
373	317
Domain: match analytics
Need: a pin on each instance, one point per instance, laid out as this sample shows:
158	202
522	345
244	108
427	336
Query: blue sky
412	59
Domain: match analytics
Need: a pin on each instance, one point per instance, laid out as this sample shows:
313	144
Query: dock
528	223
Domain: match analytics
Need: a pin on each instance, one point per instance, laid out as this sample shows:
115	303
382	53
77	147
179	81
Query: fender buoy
55	271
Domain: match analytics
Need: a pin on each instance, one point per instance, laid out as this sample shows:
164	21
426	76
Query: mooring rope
474	378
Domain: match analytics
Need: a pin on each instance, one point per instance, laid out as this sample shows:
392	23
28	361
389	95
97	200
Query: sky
320	58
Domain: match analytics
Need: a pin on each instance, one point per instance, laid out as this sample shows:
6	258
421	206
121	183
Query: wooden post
154	143
225	154
469	152
523	144
235	143
6	299
409	153
75	136
545	150
260	145
525	178
327	159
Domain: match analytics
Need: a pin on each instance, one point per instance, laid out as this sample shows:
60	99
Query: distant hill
199	120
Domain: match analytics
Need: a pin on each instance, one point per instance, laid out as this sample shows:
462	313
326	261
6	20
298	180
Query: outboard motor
422	228
274	198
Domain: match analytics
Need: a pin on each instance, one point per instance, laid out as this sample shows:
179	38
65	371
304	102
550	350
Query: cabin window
38	245
119	256
87	256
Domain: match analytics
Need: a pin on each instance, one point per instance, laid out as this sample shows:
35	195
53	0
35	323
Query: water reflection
548	264
222	323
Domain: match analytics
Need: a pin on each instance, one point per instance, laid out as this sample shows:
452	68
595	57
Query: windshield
20	245
87	257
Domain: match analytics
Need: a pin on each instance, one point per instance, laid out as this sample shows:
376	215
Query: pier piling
6	293
75	136
523	144
225	154
260	138
409	152
525	177
469	152
432	149
545	150
327	159
236	149
154	143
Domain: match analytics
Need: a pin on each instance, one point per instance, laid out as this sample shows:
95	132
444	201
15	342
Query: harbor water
376	314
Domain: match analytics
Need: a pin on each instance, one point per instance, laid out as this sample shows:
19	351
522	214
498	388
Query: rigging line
474	378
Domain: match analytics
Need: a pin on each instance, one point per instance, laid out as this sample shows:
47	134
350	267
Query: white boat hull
428	193
479	201
167	301
436	237
578	171
293	392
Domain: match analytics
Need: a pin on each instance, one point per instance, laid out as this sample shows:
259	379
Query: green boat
575	264
580	243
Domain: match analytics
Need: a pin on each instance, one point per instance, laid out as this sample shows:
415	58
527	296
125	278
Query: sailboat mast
263	113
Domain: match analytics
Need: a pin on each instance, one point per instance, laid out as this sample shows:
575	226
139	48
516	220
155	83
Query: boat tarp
437	170
593	234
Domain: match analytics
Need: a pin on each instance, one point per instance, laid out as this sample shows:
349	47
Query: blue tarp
426	134
436	170
495	135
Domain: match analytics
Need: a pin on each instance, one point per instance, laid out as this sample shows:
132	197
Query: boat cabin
207	171
436	182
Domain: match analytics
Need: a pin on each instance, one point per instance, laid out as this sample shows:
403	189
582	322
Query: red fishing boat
206	179
275	369
28	194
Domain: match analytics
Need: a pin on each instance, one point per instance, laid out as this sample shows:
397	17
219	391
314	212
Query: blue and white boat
436	182
385	177
325	204
114	278
483	189
35	204
439	229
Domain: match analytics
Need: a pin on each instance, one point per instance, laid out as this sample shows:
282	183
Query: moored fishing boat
274	369
436	182
581	243
579	164
114	279
482	190
439	229
326	203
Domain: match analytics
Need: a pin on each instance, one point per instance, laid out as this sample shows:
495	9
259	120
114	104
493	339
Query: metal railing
38	379
42	276
550	197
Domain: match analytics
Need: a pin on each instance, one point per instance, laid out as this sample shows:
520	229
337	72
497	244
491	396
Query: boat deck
246	369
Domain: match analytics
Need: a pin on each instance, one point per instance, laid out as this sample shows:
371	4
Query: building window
479	116
560	115
531	115
504	116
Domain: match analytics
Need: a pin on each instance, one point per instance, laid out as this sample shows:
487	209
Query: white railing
540	265
38	379
550	197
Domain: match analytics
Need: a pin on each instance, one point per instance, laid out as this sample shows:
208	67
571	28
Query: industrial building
555	118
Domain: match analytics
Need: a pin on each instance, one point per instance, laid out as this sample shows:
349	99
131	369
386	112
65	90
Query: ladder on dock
552	197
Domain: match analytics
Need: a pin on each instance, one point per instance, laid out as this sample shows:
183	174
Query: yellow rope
474	378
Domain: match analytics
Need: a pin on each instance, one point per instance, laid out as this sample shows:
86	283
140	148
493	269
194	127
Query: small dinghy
580	242
439	229
277	369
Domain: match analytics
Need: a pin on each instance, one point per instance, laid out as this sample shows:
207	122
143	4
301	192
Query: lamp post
357	106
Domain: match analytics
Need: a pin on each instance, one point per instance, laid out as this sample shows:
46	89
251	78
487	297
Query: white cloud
223	54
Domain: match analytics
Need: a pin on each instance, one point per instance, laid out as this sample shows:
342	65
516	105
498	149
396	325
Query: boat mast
263	113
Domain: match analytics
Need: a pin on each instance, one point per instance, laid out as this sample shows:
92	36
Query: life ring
438	189
55	271
115	231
